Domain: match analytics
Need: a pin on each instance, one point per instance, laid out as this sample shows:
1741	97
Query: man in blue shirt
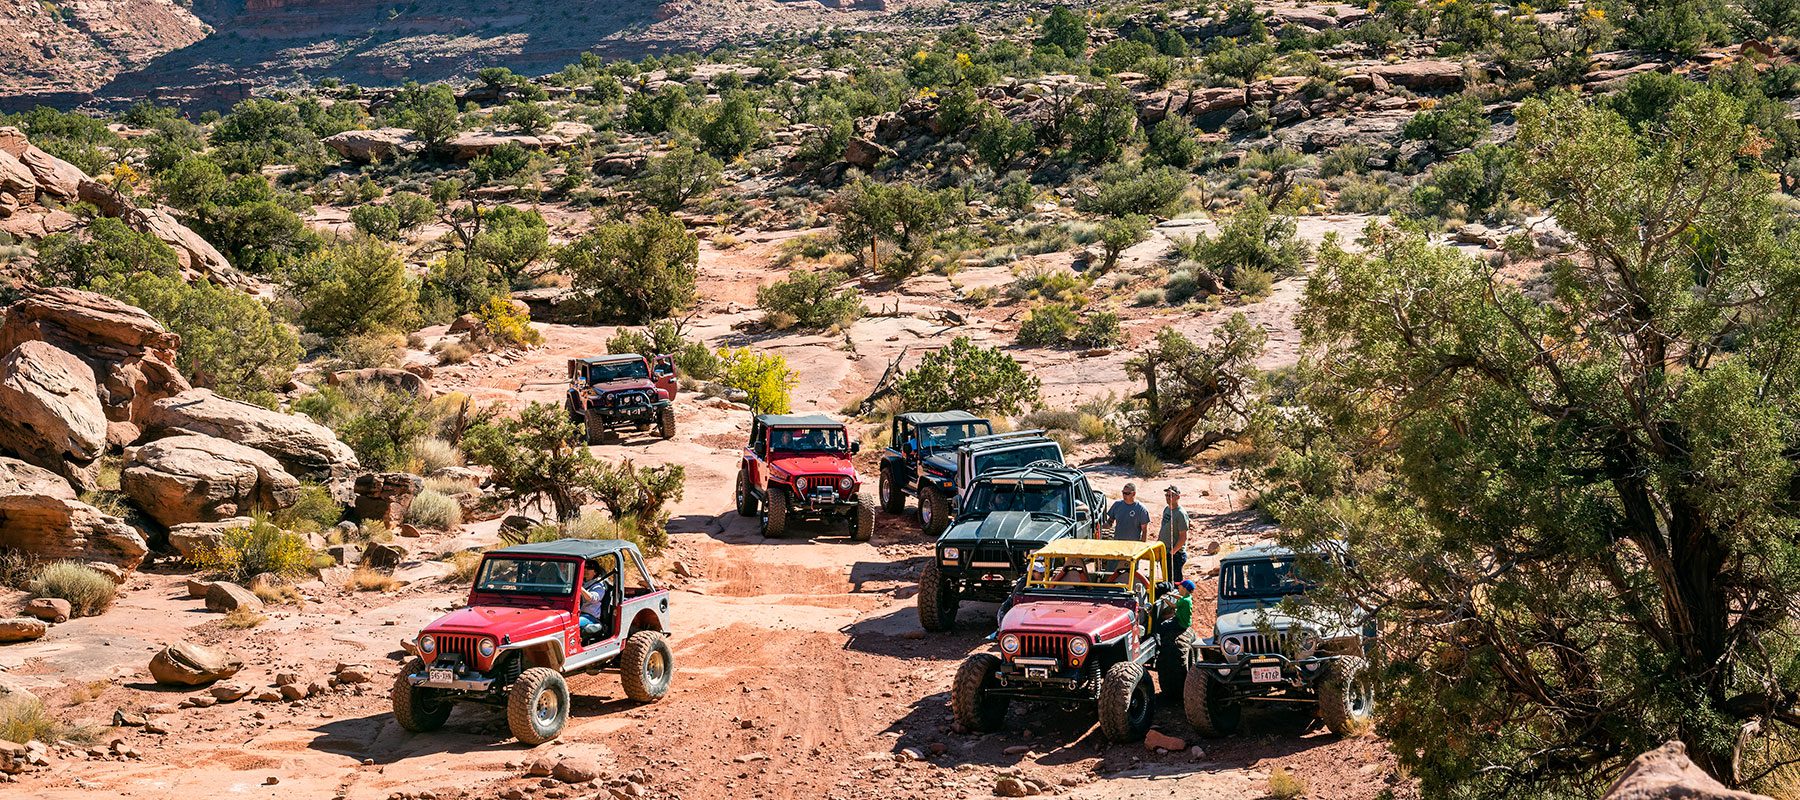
1127	517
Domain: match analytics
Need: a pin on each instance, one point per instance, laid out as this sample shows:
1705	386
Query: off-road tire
973	708
596	429
1210	716
1127	702
413	707
934	511
893	495
646	665
523	716
1171	665
863	526
665	422
746	499
1345	701
775	514
937	599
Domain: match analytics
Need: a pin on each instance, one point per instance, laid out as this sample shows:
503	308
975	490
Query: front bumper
823	500
1244	673
1032	678
635	413
462	682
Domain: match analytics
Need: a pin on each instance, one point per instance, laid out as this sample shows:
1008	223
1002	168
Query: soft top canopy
615	358
568	548
1271	550
1100	548
798	421
932	417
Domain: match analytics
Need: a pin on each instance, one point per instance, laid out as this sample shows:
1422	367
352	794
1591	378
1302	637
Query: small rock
22	629
539	768
267	696
133	719
197	589
271	780
223	597
49	609
293	691
354	673
1010	786
1017	750
231	692
200	701
1157	740
749	757
572	771
285	678
682	569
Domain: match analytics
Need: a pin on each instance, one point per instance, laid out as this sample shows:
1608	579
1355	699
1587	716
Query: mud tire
1127	702
934	511
969	701
746	500
1210	716
893	495
646	666
937	599
1346	702
775	515
538	690
414	707
1171	665
665	422
596	429
863	526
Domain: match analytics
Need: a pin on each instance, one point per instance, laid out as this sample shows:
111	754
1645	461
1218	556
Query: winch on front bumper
449	673
1042	678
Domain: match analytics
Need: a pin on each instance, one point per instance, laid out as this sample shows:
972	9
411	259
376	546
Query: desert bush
902	214
696	361
963	375
261	547
1472	185
730	128
1048	325
378	422
764	377
231	342
107	248
315	511
1147	297
1099	329
1173	142
1450	126
353	286
681	176
23	719
434	510
453	351
810	300
1124	189
373	349
1285	785
242	618
1118	233
463	566
506	325
365	579
1254	284
17	567
1001	142
1253	239
636	499
430	454
378	221
634	272
1346	159
88	590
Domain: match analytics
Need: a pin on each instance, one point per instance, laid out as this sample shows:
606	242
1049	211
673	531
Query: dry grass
88	591
463	566
91	690
23	719
278	595
1284	785
368	580
242	619
434	510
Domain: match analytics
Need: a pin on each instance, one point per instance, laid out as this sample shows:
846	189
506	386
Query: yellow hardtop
1101	548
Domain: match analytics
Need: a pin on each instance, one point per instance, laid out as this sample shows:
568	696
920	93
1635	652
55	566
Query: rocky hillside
61	51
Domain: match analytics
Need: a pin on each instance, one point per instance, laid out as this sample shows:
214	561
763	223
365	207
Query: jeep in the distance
1083	631
1259	652
921	461
1006	515
797	466
521	633
625	390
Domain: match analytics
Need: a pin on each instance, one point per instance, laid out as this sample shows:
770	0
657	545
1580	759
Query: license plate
442	676
1037	672
1265	674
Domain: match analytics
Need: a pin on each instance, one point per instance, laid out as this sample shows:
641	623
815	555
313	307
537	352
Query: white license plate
1037	672
441	676
1265	674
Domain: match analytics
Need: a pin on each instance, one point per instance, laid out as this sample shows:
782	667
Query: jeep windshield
948	435
1273	578
530	576
808	440
1087	573
1037	497
1017	457
616	371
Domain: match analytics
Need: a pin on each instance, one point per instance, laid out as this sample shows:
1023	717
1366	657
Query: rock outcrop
21	629
191	539
304	448
131	354
198	478
41	515
1666	773
474	144
385	497
50	413
379	144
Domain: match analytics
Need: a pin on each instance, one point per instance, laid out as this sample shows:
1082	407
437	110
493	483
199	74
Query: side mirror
855	447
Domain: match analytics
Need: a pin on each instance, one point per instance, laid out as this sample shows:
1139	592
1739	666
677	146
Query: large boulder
41	515
1666	773
199	478
224	597
16	179
304	448
474	144
191	539
131	354
55	177
189	664
21	629
50	412
1431	76
385	497
379	144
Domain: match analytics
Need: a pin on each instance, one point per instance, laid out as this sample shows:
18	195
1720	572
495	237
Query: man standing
1174	531
1127	517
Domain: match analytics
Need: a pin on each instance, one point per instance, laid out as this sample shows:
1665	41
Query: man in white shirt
593	600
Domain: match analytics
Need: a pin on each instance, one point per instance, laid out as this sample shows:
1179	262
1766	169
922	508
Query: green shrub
316	511
1285	785
634	272
506	325
108	248
354	286
811	300
1118	233
1100	329
696	361
963	375
431	454
672	181
1048	325
1254	284
1148	297
1181	286
231	342
378	221
1449	127
88	590
262	547
765	377
434	510
1122	189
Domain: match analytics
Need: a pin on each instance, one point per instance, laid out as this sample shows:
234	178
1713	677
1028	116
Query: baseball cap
1188	585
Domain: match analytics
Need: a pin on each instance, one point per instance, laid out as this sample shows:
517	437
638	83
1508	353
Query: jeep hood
811	464
1098	621
501	621
940	462
1018	526
1252	620
623	384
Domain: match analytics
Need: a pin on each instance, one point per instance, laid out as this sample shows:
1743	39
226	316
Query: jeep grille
1264	644
999	555
1044	645
807	483
457	644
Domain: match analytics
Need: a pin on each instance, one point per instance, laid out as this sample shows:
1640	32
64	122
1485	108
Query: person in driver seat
593	600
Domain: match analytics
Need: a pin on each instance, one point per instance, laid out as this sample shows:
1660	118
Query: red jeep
521	632
625	390
798	466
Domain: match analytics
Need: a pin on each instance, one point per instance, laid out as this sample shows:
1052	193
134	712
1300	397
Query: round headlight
1009	643
952	553
1078	646
1232	647
846	483
427	644
487	647
800	484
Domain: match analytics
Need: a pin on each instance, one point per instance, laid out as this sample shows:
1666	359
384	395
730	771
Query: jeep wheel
746	501
596	430
1211	715
970	702
937	599
893	501
934	511
665	422
537	706
775	512
1346	701
416	708
863	526
645	666
1171	665
1127	702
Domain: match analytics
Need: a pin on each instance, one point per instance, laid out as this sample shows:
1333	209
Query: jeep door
662	372
755	471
